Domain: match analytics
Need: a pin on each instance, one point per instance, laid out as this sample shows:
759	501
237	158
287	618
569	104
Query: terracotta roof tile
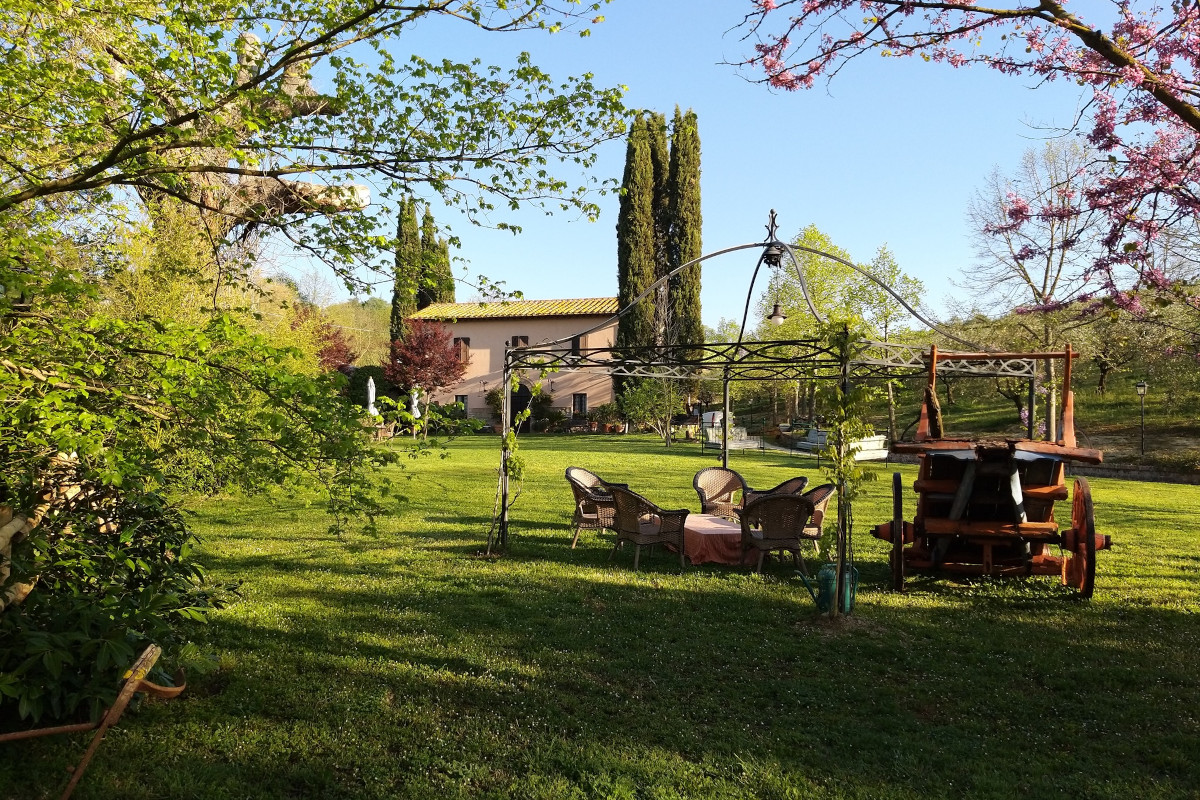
587	306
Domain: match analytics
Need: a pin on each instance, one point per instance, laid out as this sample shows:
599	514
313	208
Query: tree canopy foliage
658	230
149	154
1142	74
684	241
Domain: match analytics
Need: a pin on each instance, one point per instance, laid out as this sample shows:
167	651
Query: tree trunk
1051	402
891	402
1104	368
425	419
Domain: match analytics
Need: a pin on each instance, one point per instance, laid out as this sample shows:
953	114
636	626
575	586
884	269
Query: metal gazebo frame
790	359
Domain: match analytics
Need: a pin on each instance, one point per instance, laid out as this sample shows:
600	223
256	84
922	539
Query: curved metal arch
765	246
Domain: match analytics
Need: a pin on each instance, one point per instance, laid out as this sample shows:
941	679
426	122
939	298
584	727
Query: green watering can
826	589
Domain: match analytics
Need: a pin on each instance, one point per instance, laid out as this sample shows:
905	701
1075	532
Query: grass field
407	665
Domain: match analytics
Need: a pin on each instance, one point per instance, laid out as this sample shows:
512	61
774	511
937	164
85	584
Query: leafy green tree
884	315
834	289
197	123
653	402
684	237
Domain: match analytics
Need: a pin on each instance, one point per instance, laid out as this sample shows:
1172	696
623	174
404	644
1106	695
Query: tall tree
684	240
407	281
1035	242
884	315
1143	75
635	242
447	272
837	291
660	165
437	281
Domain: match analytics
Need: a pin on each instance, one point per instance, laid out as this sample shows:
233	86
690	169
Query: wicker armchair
819	497
717	487
790	486
776	522
641	522
594	507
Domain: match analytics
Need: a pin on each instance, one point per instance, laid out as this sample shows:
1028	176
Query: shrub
495	401
101	597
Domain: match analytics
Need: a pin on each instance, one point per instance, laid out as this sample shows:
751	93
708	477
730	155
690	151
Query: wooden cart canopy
1018	447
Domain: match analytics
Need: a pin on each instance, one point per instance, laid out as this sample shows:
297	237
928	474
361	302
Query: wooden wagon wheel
897	558
1079	565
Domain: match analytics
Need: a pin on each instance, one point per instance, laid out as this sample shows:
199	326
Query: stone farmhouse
482	331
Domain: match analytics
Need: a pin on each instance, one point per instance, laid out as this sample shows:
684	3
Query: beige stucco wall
485	370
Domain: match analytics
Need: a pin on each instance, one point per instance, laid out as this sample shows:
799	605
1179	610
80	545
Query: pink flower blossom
1151	180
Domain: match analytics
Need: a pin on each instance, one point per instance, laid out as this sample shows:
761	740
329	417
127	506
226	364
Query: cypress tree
684	243
408	269
660	212
635	242
446	295
437	282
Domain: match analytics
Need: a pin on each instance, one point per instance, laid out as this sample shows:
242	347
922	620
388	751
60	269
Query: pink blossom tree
1143	113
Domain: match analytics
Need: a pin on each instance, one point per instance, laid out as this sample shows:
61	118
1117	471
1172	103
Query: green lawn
406	665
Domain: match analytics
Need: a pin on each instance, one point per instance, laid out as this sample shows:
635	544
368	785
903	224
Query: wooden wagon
987	507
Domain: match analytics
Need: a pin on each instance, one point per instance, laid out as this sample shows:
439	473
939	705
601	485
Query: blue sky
889	153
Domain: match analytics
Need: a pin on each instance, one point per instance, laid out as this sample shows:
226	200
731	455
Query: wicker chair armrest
673	520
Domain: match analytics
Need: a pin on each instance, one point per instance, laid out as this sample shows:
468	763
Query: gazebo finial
772	228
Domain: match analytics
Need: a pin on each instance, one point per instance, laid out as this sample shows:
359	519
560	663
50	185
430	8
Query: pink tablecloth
709	539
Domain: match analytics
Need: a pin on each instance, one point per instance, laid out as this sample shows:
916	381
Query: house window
579	405
575	345
462	345
462	399
520	341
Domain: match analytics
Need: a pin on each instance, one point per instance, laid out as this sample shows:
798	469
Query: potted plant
610	416
495	403
593	420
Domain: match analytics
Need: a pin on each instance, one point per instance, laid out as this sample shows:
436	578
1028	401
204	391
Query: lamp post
1141	387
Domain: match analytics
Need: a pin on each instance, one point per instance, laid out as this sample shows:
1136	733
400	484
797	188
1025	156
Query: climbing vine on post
512	465
847	405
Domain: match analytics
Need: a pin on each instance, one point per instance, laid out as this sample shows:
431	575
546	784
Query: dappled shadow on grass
474	679
406	666
468	681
